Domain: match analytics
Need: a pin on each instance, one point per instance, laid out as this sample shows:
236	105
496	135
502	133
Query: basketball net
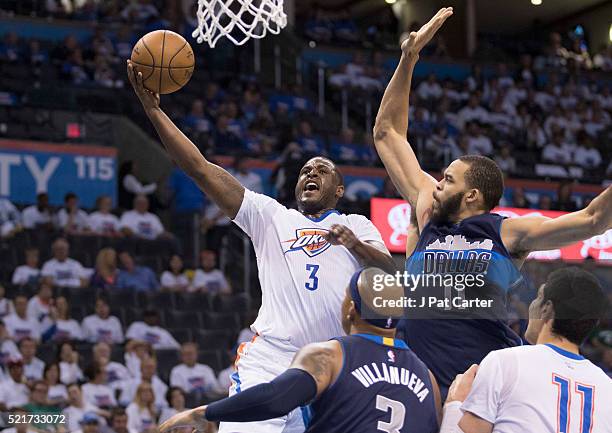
238	20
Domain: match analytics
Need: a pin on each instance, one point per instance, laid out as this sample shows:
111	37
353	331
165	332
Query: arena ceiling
492	15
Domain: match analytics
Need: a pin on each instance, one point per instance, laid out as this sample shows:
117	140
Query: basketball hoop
238	20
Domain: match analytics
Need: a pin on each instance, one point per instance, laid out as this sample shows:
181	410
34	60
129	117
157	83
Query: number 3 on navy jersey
398	412
313	280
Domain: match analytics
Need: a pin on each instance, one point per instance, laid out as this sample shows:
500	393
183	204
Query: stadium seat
227	321
217	339
182	335
239	303
124	298
47	352
77	312
80	296
132	314
212	358
180	319
159	300
192	302
118	353
166	360
85	354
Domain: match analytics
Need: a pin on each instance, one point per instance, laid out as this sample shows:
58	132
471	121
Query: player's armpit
323	361
471	423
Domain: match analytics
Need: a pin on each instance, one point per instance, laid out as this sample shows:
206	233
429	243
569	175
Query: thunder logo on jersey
311	241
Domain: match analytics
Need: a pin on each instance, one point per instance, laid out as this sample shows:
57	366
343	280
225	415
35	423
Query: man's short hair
578	301
485	176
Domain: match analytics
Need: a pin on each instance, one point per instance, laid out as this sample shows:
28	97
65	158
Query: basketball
165	59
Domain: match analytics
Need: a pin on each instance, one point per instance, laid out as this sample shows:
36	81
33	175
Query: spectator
215	225
519	199
565	202
10	48
536	138
90	423
209	279
544	202
106	273
149	330
39	215
505	160
97	392
174	278
139	278
586	155
148	369
130	186
310	143
191	376
247	178
176	399
136	351
78	407
65	327
8	350
429	89
196	120
555	152
58	395
101	326
478	143
10	218
472	112
139	11
38	405
71	218
345	149
345	28
141	413
13	391
6	305
33	367
28	273
103	222
70	372
116	373
224	379
318	27
442	145
141	223
187	199
39	306
18	324
224	137
119	419
63	271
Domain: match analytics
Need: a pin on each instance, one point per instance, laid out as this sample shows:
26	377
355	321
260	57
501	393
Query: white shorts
260	361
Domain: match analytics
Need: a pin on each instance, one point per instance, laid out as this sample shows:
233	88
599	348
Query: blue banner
28	168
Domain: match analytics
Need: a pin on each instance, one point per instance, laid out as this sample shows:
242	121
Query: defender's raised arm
391	126
220	186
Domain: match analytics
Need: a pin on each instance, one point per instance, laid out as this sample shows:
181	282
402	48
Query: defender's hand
341	235
461	386
149	100
193	419
417	40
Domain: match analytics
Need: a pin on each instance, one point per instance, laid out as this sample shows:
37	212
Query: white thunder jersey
541	389
303	277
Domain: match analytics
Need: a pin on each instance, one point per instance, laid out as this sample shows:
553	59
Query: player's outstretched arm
525	234
310	373
220	186
391	127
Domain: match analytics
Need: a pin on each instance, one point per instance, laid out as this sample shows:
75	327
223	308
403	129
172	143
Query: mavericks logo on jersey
457	255
311	241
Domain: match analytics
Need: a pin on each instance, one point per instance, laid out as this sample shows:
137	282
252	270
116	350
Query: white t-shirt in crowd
65	274
23	274
32	217
70	373
103	223
224	379
57	394
534	388
68	330
250	180
80	220
146	225
6	307
98	395
553	153
14	394
139	419
108	330
588	158
34	369
8	351
189	379
18	328
212	282
75	414
171	281
129	388
158	337
116	374
37	309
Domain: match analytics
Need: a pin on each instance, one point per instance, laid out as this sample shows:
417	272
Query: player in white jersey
305	257
548	387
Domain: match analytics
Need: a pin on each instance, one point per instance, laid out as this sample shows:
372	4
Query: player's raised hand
417	40
193	419
148	99
341	235
461	386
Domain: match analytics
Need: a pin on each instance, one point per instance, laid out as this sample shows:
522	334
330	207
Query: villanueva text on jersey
369	374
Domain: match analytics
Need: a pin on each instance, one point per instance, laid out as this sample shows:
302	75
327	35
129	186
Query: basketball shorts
262	360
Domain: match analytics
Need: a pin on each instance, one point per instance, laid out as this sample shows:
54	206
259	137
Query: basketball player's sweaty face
317	187
449	192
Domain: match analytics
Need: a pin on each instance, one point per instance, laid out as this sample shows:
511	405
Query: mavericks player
365	382
459	234
304	257
548	387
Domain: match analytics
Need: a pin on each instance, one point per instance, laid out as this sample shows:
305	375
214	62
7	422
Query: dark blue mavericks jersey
383	387
463	273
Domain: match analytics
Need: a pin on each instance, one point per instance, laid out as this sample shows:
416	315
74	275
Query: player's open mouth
311	186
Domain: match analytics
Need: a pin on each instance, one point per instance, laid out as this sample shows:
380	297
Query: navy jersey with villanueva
465	274
383	386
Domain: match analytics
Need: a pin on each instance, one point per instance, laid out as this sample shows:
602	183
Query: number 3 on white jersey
398	412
